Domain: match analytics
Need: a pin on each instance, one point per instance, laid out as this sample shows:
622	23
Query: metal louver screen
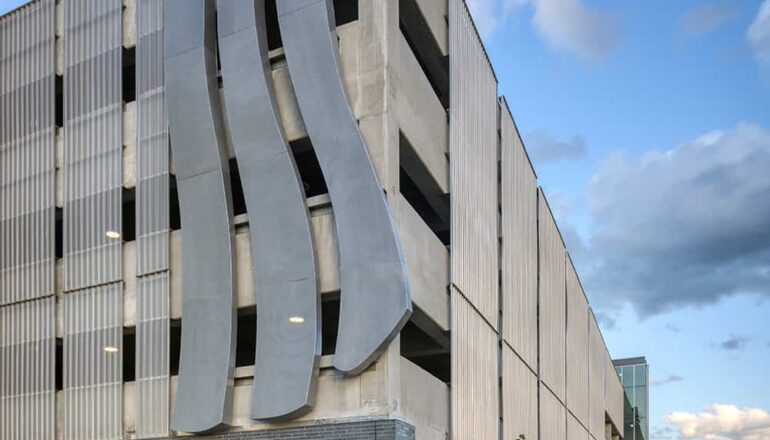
93	142
27	388
473	164
93	363
27	144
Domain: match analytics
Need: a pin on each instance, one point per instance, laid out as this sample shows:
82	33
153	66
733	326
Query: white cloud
545	148
707	17
722	422
490	15
686	226
486	15
759	35
567	25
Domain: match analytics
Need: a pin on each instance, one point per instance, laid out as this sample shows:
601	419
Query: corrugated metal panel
93	363
152	147
475	388
519	245
575	431
27	358
92	173
473	164
152	356
577	346
519	397
613	393
596	366
552	297
27	130
553	416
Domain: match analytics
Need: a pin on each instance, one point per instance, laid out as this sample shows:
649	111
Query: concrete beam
426	257
339	397
427	261
424	23
422	118
435	12
129	23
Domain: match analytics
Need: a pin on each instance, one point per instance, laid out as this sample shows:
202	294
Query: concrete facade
501	340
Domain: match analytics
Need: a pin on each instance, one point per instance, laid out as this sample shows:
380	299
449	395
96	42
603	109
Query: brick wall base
363	430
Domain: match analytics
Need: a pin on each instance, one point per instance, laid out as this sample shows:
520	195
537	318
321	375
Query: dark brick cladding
364	430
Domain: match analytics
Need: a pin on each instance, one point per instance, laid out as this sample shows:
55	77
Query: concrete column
376	98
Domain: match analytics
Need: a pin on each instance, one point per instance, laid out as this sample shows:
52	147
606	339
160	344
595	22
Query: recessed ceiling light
296	320
110	349
112	234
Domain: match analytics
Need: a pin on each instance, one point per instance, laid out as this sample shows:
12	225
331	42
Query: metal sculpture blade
204	394
375	296
288	302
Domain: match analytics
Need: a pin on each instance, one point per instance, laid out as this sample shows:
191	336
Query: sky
649	126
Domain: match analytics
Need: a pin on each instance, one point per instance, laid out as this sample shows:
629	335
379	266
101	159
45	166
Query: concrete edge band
288	337
205	389
375	297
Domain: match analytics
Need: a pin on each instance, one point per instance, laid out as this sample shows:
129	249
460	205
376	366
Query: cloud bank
723	422
682	227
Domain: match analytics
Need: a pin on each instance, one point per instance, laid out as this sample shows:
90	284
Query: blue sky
649	126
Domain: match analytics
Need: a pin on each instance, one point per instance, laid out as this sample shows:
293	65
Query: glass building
634	373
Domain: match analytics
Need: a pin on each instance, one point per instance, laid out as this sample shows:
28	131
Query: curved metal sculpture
204	394
375	298
288	343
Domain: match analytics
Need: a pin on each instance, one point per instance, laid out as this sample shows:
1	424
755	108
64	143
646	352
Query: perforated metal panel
152	226
519	241
596	366
475	390
93	363
93	120
473	164
27	209
152	147
27	130
152	355
552	297
577	346
27	358
553	416
519	398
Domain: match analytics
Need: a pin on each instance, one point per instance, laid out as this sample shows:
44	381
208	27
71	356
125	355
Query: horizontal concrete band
385	429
